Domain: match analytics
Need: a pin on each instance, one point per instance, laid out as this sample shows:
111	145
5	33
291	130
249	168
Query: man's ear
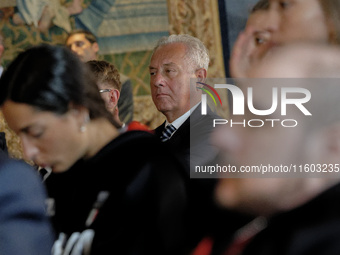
332	31
201	74
332	144
114	97
95	47
2	48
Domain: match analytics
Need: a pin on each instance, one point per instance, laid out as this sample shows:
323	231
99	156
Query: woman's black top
132	193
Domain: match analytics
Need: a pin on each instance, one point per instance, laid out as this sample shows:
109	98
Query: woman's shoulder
133	143
140	149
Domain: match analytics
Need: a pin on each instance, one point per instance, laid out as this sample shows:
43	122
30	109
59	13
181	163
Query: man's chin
163	107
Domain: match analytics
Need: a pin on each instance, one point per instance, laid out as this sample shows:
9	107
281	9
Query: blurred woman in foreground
111	192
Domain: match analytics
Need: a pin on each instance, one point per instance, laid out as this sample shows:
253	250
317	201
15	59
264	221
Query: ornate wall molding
200	18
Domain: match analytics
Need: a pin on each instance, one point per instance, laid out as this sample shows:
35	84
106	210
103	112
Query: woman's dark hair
51	78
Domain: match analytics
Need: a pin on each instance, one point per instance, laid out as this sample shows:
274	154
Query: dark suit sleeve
202	151
3	144
24	226
125	102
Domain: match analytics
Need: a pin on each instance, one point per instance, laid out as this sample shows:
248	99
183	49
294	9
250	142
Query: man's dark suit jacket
24	226
191	142
125	101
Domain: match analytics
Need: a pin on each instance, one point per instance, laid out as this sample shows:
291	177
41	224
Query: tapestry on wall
125	25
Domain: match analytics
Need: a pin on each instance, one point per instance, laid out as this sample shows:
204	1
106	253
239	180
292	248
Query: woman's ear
80	114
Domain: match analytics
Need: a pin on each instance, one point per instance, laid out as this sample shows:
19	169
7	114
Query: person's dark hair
260	5
104	72
52	78
88	35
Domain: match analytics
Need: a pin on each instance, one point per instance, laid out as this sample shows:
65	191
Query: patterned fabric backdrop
130	61
125	25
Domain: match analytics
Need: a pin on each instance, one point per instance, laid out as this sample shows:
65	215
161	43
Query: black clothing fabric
145	210
313	228
125	101
3	144
191	141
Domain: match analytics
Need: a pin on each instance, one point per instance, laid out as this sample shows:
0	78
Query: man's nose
273	20
158	80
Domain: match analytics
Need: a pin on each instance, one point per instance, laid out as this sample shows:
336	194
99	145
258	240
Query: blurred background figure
108	81
24	225
251	45
286	22
289	219
101	202
85	45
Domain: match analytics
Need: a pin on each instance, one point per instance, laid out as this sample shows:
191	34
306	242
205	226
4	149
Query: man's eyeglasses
104	90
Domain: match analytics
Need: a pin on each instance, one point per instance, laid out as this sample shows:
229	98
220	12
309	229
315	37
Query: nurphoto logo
280	99
204	97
